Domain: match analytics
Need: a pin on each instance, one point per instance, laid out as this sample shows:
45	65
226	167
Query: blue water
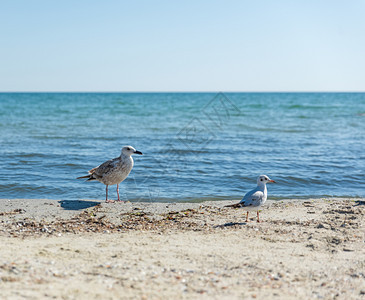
195	145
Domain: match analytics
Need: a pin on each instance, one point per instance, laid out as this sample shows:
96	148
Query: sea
196	146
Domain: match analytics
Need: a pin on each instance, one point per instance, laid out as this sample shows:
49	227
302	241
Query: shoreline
312	248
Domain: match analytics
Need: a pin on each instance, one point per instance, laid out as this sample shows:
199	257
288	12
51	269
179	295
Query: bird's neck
262	187
125	157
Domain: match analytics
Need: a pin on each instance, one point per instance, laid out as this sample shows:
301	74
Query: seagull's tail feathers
236	205
89	177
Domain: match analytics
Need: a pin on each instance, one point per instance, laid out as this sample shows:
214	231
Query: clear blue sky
182	45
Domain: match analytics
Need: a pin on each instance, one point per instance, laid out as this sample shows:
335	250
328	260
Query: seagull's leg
118	191
106	192
108	201
118	194
247	217
258	217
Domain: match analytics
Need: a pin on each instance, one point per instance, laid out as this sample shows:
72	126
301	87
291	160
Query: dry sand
312	249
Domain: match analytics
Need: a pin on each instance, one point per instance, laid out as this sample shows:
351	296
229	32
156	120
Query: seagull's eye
128	149
261	179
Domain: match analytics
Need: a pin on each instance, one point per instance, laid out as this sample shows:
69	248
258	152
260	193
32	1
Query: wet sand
303	249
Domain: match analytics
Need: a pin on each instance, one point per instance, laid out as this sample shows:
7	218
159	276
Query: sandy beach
302	249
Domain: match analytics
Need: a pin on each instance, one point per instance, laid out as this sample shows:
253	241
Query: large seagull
114	171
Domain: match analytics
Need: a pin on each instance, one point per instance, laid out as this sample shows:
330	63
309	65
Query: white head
129	150
263	179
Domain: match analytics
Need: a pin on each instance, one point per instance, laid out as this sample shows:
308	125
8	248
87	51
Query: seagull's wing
104	168
252	198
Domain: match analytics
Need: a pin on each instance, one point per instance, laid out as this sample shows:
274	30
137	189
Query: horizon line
177	92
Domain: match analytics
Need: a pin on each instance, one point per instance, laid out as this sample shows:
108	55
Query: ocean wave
307	107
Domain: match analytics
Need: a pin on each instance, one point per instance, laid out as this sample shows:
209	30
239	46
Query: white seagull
114	171
253	200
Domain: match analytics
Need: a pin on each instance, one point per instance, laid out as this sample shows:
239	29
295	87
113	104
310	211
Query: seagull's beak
272	181
138	152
